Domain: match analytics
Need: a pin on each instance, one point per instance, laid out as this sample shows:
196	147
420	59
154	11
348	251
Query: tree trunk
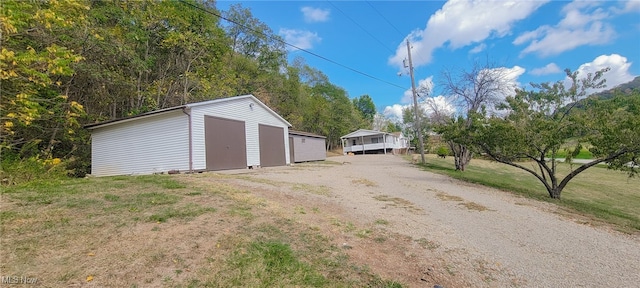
555	192
461	155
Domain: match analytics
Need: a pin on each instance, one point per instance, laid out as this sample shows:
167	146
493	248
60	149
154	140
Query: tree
367	108
539	122
472	92
411	129
35	69
254	39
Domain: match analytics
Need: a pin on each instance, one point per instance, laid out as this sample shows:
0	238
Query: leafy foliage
367	108
68	63
539	122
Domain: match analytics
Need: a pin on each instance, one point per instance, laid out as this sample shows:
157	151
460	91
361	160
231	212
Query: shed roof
300	133
185	106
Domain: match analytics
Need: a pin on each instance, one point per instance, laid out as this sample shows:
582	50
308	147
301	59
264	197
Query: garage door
225	143
272	152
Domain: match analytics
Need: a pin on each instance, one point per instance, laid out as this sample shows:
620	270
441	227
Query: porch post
384	143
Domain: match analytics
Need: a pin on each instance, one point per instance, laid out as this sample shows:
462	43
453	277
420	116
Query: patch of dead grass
467	204
365	182
313	189
152	232
446	197
400	203
473	206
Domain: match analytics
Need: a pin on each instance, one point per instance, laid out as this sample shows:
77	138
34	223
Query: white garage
229	133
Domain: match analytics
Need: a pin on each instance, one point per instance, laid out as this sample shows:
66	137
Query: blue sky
534	41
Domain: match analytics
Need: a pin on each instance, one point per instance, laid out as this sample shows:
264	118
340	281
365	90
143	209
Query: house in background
230	133
374	142
304	147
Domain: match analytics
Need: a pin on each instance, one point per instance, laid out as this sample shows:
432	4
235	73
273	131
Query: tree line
64	64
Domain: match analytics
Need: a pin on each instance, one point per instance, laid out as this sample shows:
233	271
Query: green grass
584	154
283	254
272	264
101	226
610	196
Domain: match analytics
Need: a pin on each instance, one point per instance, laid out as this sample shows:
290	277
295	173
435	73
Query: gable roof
183	107
363	132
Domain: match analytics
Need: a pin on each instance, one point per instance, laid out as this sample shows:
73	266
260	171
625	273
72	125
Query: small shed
228	133
304	147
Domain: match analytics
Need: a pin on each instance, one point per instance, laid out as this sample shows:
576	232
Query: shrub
16	171
443	151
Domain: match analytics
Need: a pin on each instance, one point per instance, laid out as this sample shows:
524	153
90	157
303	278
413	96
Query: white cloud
394	112
550	68
507	81
312	15
429	105
618	74
424	88
300	38
632	6
478	48
582	25
463	22
439	103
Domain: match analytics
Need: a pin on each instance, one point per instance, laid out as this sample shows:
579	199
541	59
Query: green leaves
34	67
542	121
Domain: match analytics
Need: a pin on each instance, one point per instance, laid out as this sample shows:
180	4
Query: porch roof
362	133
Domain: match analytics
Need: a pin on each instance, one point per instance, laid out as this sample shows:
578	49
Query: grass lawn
610	196
163	231
584	154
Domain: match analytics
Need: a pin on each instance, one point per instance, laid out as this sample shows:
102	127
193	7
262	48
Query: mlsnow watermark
18	280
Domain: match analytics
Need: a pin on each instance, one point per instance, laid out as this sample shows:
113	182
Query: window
303	140
375	140
354	142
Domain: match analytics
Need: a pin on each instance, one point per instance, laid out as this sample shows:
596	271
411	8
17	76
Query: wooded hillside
64	64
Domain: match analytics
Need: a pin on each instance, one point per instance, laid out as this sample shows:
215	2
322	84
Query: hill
626	89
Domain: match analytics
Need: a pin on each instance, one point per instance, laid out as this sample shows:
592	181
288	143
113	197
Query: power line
362	28
385	19
294	46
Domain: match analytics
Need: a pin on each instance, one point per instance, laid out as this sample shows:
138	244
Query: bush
17	171
443	151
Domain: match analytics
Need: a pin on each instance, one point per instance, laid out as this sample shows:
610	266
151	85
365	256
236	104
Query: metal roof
209	102
363	132
300	133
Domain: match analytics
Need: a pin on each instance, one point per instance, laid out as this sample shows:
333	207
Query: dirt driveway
471	235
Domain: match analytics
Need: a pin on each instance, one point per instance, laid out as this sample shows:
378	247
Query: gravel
500	240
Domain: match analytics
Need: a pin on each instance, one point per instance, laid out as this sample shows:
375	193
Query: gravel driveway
489	237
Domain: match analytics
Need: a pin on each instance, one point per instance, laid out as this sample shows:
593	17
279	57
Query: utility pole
418	123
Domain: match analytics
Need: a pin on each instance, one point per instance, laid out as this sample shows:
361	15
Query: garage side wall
308	148
145	146
235	109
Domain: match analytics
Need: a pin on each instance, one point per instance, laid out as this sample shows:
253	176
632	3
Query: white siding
308	148
236	109
157	143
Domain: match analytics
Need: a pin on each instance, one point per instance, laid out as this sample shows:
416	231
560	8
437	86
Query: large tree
367	108
541	121
471	91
